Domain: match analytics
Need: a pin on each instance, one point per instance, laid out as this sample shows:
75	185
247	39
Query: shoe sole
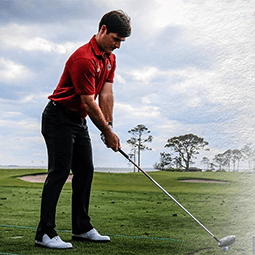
82	239
47	247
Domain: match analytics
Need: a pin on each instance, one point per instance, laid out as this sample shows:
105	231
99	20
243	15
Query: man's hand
111	140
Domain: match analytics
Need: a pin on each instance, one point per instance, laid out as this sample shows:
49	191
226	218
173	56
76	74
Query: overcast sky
188	67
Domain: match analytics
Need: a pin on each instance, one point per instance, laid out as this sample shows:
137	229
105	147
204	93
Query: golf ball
225	248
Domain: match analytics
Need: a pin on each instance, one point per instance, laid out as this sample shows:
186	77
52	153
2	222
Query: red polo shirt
85	73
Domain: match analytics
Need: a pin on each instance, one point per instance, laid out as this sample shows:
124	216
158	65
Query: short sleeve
82	72
110	77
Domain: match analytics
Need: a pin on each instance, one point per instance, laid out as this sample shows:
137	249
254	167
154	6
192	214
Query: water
121	170
97	169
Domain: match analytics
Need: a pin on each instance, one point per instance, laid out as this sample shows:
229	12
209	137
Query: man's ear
103	29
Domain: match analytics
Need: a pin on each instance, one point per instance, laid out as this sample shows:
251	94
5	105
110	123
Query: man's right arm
97	117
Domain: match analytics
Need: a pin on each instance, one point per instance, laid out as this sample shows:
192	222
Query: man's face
109	42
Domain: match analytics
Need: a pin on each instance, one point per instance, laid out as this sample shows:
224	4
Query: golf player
88	74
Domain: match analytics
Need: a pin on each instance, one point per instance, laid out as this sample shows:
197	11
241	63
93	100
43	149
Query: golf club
223	242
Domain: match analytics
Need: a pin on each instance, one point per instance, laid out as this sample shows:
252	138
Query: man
88	73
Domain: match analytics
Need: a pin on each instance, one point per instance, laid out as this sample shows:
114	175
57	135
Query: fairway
137	215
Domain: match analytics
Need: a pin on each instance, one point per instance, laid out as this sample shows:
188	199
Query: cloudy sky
188	67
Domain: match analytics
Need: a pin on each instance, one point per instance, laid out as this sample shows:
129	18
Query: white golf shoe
91	236
53	243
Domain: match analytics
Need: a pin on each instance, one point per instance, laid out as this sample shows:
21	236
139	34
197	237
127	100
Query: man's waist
58	104
68	110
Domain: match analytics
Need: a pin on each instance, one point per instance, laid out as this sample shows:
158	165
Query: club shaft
183	208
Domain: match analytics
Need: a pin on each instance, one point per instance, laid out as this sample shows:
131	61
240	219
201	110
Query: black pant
69	147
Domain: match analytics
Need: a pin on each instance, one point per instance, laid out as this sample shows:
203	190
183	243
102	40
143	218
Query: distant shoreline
97	169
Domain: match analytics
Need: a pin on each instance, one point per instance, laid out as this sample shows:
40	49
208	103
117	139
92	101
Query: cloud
187	67
144	75
13	150
24	126
27	38
46	11
11	71
142	113
119	79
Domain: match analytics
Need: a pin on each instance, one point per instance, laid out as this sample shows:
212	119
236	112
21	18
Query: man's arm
96	115
106	101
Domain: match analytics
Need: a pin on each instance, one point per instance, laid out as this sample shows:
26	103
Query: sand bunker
202	181
40	178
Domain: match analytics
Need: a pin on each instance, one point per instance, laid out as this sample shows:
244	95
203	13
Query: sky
188	67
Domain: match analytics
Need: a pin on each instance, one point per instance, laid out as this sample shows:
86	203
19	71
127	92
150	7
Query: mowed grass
137	215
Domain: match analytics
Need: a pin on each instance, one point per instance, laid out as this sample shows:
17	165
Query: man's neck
98	44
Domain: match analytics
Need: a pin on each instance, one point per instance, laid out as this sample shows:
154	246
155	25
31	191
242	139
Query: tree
178	162
225	159
165	161
227	156
132	156
219	159
186	146
248	154
236	156
138	141
205	161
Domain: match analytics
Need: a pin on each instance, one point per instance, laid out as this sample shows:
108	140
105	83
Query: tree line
184	149
230	160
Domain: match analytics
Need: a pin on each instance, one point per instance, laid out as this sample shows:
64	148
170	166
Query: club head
226	241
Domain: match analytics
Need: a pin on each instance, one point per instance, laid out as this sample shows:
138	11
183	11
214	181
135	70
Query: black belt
70	112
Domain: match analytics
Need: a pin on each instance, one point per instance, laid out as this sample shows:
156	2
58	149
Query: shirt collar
96	48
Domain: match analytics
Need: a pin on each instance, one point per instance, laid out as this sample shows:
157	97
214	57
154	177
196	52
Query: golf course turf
137	215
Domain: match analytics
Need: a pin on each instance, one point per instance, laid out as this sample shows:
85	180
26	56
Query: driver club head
226	241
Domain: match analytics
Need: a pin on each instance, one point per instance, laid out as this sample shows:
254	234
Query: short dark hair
116	22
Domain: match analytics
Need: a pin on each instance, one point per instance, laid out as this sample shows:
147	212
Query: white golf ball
225	248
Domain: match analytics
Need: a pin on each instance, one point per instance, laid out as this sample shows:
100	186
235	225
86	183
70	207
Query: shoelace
93	233
56	238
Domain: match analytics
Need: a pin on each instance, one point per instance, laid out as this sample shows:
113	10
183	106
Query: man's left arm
106	101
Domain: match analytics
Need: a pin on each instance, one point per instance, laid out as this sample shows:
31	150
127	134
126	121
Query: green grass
137	215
